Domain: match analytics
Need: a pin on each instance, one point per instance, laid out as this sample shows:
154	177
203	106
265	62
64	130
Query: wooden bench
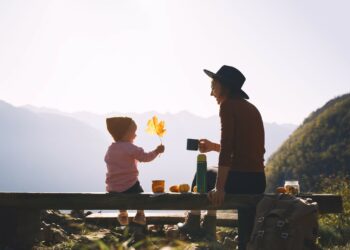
20	212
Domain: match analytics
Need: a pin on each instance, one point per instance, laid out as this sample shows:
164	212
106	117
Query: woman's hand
216	197
160	149
207	146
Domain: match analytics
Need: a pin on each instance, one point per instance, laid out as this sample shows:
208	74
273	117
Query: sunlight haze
138	56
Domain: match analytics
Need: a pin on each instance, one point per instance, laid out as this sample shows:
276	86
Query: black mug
192	144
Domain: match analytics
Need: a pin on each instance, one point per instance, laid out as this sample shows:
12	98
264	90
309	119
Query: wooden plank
147	201
328	203
223	219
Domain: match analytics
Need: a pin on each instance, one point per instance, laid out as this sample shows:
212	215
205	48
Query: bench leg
246	218
7	226
19	227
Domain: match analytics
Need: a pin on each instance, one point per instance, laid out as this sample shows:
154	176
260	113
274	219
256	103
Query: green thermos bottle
201	176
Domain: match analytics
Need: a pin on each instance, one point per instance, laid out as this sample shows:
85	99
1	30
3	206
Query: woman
241	152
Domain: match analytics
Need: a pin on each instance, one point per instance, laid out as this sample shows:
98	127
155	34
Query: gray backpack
285	222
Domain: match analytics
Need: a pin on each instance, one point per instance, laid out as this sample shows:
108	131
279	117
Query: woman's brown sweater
242	136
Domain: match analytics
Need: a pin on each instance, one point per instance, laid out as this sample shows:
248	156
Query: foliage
318	155
149	243
156	128
319	147
335	228
346	247
120	238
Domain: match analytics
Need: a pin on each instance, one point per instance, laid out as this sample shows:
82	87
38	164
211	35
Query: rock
155	229
152	228
84	240
201	248
220	235
59	235
77	214
110	239
88	213
91	227
172	232
229	243
52	234
52	216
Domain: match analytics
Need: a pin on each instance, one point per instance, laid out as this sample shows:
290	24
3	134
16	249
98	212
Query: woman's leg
209	220
192	223
245	183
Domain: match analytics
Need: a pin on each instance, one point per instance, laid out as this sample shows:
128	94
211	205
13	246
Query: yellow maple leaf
155	127
160	129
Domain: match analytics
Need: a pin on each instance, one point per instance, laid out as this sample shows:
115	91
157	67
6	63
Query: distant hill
48	150
320	146
183	125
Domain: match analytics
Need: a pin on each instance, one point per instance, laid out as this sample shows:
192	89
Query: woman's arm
208	146
217	195
222	177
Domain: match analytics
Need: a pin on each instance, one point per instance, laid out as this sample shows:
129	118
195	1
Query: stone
229	243
172	232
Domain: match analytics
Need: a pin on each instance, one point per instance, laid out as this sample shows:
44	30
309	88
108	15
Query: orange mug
158	186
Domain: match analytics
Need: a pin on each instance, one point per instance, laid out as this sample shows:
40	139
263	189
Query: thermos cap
201	157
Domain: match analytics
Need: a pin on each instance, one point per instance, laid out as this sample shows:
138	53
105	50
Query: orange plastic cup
158	186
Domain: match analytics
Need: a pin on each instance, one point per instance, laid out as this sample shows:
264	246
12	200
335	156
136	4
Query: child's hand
160	149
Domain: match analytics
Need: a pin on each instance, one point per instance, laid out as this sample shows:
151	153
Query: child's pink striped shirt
121	159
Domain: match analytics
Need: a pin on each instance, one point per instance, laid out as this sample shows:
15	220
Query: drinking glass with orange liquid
158	186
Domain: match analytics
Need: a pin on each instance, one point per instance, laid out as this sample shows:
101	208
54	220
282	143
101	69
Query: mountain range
46	150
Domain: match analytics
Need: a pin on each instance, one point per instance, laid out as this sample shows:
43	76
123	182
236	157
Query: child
121	159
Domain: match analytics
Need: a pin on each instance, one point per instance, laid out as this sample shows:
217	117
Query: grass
334	235
122	239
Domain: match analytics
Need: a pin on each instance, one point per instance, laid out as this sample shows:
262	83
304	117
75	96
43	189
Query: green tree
335	228
319	147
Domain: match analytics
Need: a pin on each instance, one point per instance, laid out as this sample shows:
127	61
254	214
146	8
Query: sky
138	56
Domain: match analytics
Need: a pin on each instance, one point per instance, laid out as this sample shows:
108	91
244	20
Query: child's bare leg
140	212
140	217
123	217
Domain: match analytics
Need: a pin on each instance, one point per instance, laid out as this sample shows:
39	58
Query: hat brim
215	76
210	74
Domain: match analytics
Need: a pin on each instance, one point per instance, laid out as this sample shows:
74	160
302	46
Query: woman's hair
229	90
118	126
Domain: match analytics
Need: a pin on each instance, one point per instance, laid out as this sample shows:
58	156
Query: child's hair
118	126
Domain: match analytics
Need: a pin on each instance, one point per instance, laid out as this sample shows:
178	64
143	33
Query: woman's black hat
229	75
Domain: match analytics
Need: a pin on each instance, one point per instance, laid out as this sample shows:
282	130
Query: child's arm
142	156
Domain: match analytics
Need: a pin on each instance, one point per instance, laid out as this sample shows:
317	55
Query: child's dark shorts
135	189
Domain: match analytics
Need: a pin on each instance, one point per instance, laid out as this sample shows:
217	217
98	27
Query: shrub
335	228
